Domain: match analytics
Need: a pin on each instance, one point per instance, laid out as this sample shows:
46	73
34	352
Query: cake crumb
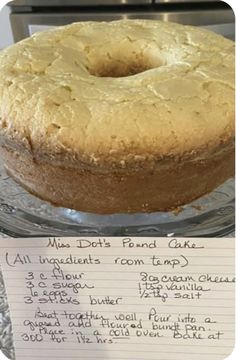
177	210
197	207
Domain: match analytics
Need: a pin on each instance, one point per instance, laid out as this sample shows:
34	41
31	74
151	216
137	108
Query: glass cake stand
24	215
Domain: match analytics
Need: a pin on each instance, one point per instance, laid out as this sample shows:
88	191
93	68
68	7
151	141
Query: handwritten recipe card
120	298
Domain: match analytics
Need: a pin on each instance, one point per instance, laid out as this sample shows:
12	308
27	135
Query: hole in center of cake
120	68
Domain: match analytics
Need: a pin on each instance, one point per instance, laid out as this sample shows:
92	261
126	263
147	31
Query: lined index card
120	298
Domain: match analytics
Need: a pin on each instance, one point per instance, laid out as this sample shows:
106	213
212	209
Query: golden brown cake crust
53	101
163	188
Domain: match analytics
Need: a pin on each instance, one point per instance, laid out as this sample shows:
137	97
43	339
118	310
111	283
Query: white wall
6	37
